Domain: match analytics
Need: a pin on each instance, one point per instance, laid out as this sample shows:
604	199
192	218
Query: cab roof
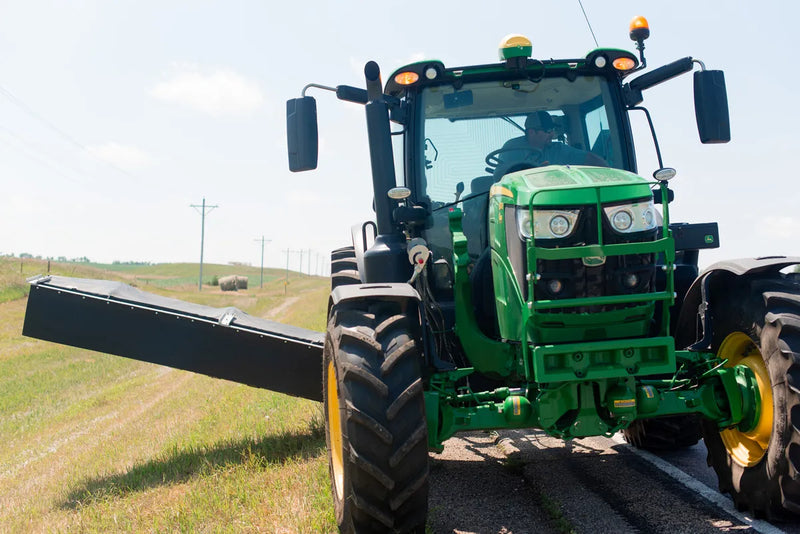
602	61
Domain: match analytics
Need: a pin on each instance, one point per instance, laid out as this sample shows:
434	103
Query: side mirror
301	133
711	106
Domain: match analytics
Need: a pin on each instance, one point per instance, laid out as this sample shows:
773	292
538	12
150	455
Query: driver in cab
537	147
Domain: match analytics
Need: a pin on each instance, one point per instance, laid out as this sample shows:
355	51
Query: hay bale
241	282
228	283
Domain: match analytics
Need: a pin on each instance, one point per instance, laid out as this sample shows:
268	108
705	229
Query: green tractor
522	276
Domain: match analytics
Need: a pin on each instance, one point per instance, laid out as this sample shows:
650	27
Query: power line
588	24
202	212
71	140
33	153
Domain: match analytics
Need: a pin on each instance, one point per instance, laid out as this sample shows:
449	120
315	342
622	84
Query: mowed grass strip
99	443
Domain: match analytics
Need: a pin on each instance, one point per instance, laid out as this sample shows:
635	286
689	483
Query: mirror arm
318	86
653	132
343	92
633	89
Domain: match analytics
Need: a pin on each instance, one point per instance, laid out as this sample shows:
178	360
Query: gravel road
526	482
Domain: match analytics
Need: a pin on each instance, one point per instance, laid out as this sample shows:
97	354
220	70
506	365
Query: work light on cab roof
409	77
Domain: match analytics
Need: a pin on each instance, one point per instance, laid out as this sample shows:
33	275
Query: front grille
573	278
620	275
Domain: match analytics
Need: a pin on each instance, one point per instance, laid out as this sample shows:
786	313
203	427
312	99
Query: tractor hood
571	185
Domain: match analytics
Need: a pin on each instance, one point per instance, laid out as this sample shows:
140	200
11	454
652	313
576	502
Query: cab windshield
474	135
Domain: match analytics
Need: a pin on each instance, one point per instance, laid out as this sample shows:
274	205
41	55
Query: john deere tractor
519	274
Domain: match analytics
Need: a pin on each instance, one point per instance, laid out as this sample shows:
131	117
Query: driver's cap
539	120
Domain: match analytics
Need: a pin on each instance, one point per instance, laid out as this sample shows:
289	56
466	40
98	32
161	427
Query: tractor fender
694	329
402	293
395	292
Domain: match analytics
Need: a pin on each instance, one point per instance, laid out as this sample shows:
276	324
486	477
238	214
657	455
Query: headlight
547	224
630	218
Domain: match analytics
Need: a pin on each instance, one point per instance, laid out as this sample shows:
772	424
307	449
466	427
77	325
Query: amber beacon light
639	29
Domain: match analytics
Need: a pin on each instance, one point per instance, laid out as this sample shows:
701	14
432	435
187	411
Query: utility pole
202	211
288	253
300	268
262	257
286	282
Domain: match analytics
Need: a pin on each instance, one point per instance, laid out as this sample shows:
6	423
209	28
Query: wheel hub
747	447
335	431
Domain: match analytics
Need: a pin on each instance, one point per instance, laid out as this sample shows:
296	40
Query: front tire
757	324
375	419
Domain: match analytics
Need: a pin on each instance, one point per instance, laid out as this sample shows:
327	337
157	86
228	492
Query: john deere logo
594	261
709	239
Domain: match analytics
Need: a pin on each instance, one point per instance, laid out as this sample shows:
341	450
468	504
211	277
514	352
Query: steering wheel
498	168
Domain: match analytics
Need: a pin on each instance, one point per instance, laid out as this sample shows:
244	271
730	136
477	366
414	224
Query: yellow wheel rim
335	431
748	448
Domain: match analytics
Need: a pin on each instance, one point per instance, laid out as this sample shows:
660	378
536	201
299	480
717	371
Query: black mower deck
227	343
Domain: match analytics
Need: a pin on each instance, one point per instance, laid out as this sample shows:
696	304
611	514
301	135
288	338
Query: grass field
98	443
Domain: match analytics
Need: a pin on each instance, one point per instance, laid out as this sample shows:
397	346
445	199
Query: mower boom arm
226	343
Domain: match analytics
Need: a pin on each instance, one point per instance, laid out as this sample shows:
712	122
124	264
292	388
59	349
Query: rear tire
757	323
376	430
344	267
665	433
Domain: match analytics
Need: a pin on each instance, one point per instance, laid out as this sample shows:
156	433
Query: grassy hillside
98	443
178	274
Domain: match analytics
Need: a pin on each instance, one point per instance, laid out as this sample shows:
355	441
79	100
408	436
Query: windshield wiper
513	123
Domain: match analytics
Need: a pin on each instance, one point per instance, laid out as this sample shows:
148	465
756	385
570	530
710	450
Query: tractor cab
469	129
537	155
466	128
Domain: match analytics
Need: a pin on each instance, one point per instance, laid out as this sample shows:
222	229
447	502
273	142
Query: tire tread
767	308
376	353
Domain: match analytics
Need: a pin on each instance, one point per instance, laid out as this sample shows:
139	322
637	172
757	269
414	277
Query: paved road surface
526	482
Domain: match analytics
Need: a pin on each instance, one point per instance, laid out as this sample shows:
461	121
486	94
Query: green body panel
603	359
570	409
573	373
571	186
580	366
508	297
490	357
563	185
571	327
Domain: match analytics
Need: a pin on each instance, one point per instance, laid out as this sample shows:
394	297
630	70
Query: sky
117	116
